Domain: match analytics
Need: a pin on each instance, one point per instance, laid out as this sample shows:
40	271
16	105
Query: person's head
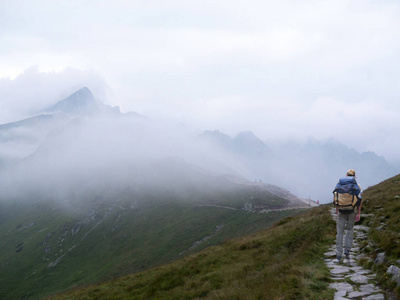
351	172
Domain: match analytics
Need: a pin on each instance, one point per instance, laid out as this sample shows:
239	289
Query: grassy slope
116	237
383	200
284	262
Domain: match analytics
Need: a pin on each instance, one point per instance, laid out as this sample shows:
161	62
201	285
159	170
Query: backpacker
345	194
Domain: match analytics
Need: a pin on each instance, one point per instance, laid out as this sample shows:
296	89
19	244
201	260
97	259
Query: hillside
284	262
381	210
51	244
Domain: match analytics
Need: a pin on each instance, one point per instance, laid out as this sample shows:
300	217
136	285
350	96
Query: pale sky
322	69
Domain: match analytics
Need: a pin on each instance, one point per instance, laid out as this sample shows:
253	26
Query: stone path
351	281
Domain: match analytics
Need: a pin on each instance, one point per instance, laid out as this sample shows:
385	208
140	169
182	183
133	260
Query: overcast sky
322	69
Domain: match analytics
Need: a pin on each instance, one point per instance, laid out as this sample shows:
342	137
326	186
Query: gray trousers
344	221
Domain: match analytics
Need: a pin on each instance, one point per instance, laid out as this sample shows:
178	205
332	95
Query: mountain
20	139
245	143
102	186
308	169
80	103
94	194
103	138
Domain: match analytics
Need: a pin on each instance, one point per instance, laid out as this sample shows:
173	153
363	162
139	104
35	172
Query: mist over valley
80	141
84	183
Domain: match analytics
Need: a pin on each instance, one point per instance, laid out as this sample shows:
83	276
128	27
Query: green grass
284	262
383	200
120	233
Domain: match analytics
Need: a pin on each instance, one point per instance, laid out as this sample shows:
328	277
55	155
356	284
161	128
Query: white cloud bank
281	69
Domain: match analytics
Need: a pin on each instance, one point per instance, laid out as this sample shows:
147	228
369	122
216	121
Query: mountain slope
93	235
381	212
284	262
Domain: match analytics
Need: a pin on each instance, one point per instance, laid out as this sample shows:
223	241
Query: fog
111	151
286	71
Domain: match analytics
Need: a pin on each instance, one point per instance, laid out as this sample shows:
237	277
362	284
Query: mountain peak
247	141
81	102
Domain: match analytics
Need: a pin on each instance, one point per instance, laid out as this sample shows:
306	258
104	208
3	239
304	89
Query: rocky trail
351	281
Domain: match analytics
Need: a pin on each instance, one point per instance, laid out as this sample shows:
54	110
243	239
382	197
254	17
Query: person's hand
357	218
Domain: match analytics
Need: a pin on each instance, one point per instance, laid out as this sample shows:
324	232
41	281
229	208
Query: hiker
347	198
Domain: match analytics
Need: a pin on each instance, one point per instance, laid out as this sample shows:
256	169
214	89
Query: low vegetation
49	246
382	209
284	262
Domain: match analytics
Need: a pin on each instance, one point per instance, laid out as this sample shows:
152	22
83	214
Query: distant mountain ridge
308	169
21	138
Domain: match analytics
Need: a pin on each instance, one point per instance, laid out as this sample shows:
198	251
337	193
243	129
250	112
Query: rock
375	297
358	278
395	271
361	228
365	290
330	253
340	295
46	239
360	256
342	286
367	215
380	259
19	247
339	270
76	228
29	225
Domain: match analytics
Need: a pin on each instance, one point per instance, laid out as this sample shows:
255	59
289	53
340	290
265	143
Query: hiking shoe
339	258
346	252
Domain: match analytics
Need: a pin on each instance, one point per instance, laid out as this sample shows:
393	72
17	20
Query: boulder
395	271
380	259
